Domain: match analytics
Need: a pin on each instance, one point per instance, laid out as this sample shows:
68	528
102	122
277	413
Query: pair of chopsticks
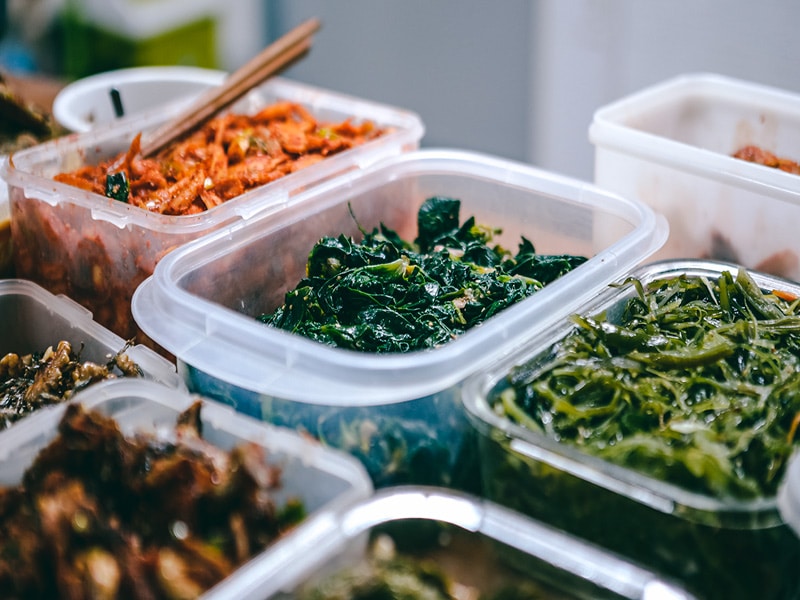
275	57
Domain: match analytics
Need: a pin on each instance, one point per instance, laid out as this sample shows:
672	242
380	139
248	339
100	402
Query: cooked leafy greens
388	295
696	383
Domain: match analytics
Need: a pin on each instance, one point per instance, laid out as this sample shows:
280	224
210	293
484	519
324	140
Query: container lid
208	336
630	125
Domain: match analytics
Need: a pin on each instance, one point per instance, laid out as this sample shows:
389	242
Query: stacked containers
400	413
719	547
671	146
476	545
324	481
96	250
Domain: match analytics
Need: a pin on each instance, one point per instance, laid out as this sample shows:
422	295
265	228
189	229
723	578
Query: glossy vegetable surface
697	383
385	294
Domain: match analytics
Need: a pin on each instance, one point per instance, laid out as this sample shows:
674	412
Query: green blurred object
94	45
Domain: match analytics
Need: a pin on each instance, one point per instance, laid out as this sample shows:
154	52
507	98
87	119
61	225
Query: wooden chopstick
275	57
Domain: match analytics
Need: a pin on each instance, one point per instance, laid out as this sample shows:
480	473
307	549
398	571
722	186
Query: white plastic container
482	547
86	103
324	480
789	495
96	250
718	547
671	146
34	319
400	413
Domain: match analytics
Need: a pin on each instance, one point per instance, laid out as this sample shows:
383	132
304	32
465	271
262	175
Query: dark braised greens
697	382
385	294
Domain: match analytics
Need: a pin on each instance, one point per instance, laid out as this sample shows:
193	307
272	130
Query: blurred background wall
518	78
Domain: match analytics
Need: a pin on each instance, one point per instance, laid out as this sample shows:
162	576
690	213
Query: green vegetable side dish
388	295
695	382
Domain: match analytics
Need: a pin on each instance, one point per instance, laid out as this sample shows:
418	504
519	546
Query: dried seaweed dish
389	295
31	381
100	514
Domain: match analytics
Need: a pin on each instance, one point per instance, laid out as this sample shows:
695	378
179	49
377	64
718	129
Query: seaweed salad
389	295
697	383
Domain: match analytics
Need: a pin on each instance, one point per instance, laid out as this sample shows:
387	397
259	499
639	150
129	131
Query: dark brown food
21	123
102	515
228	156
768	159
32	381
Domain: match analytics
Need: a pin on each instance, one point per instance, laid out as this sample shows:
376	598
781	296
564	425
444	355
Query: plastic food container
33	319
86	103
475	543
789	495
718	548
671	146
400	413
97	250
324	480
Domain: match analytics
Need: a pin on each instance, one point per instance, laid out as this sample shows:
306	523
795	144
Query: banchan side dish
428	542
176	455
657	422
400	413
96	249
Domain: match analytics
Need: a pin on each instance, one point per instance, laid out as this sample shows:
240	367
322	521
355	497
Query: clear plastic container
477	545
86	103
97	250
718	548
324	480
671	146
400	413
34	319
789	495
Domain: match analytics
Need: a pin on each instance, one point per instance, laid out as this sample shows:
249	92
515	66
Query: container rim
557	548
641	488
202	328
610	129
64	103
19	170
245	429
153	365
